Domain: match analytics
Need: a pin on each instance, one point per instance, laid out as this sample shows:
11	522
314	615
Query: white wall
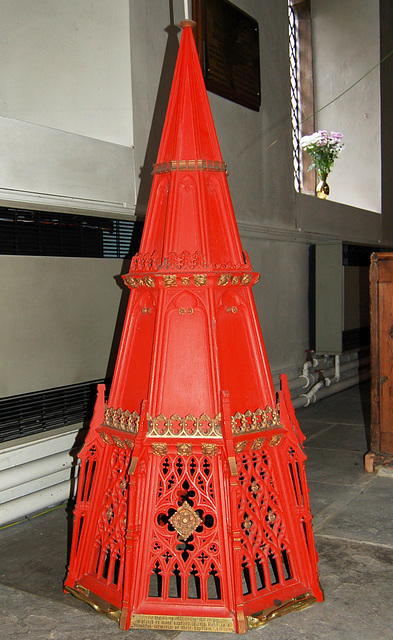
48	168
66	120
66	65
345	48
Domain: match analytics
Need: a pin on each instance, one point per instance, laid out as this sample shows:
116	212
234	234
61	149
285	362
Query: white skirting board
36	473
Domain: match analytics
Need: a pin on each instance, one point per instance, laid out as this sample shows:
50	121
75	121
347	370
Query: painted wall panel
57	322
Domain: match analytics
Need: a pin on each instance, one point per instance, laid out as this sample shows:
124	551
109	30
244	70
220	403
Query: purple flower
323	150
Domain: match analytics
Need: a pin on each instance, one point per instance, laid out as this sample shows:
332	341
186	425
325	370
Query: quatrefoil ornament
185	520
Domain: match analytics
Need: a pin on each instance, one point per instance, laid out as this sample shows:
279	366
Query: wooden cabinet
381	301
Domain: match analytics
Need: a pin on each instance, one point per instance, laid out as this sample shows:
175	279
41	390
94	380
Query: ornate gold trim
200	280
240	446
119	442
105	438
295	604
122	420
185	520
190	165
276	439
245	279
258	420
149	281
202	427
169	280
98	604
115	440
159	448
209	449
223	279
182	623
131	281
190	425
184	448
257	444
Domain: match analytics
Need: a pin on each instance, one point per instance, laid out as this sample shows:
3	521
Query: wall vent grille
43	233
33	413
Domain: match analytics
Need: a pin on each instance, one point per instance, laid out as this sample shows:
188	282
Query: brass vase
322	188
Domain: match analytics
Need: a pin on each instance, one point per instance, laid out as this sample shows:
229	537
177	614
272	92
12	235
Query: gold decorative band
190	165
122	420
190	425
202	427
257	420
169	280
182	623
187	23
118	442
144	263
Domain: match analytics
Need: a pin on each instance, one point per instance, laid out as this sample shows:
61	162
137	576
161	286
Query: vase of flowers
323	150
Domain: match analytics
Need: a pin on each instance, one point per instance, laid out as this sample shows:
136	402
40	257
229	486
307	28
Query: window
301	82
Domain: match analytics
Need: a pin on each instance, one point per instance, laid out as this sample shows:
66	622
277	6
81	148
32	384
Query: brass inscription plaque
182	623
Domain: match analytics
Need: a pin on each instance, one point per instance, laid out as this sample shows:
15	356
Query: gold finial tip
187	23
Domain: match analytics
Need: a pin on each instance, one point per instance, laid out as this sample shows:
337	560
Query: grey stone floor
353	515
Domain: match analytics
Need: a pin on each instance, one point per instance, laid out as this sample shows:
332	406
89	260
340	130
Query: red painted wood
192	417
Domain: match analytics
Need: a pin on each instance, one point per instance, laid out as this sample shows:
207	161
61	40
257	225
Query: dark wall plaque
228	46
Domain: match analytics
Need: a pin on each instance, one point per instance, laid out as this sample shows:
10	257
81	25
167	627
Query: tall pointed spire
201	216
189	131
190	245
192	510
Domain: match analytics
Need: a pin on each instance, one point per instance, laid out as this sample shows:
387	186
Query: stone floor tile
24	615
334	467
339	436
368	517
326	499
349	411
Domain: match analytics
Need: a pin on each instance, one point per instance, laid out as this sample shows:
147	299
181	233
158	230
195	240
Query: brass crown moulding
170	280
185	261
216	166
190	425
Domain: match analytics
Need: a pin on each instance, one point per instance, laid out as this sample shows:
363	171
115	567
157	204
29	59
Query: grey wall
57	321
346	47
